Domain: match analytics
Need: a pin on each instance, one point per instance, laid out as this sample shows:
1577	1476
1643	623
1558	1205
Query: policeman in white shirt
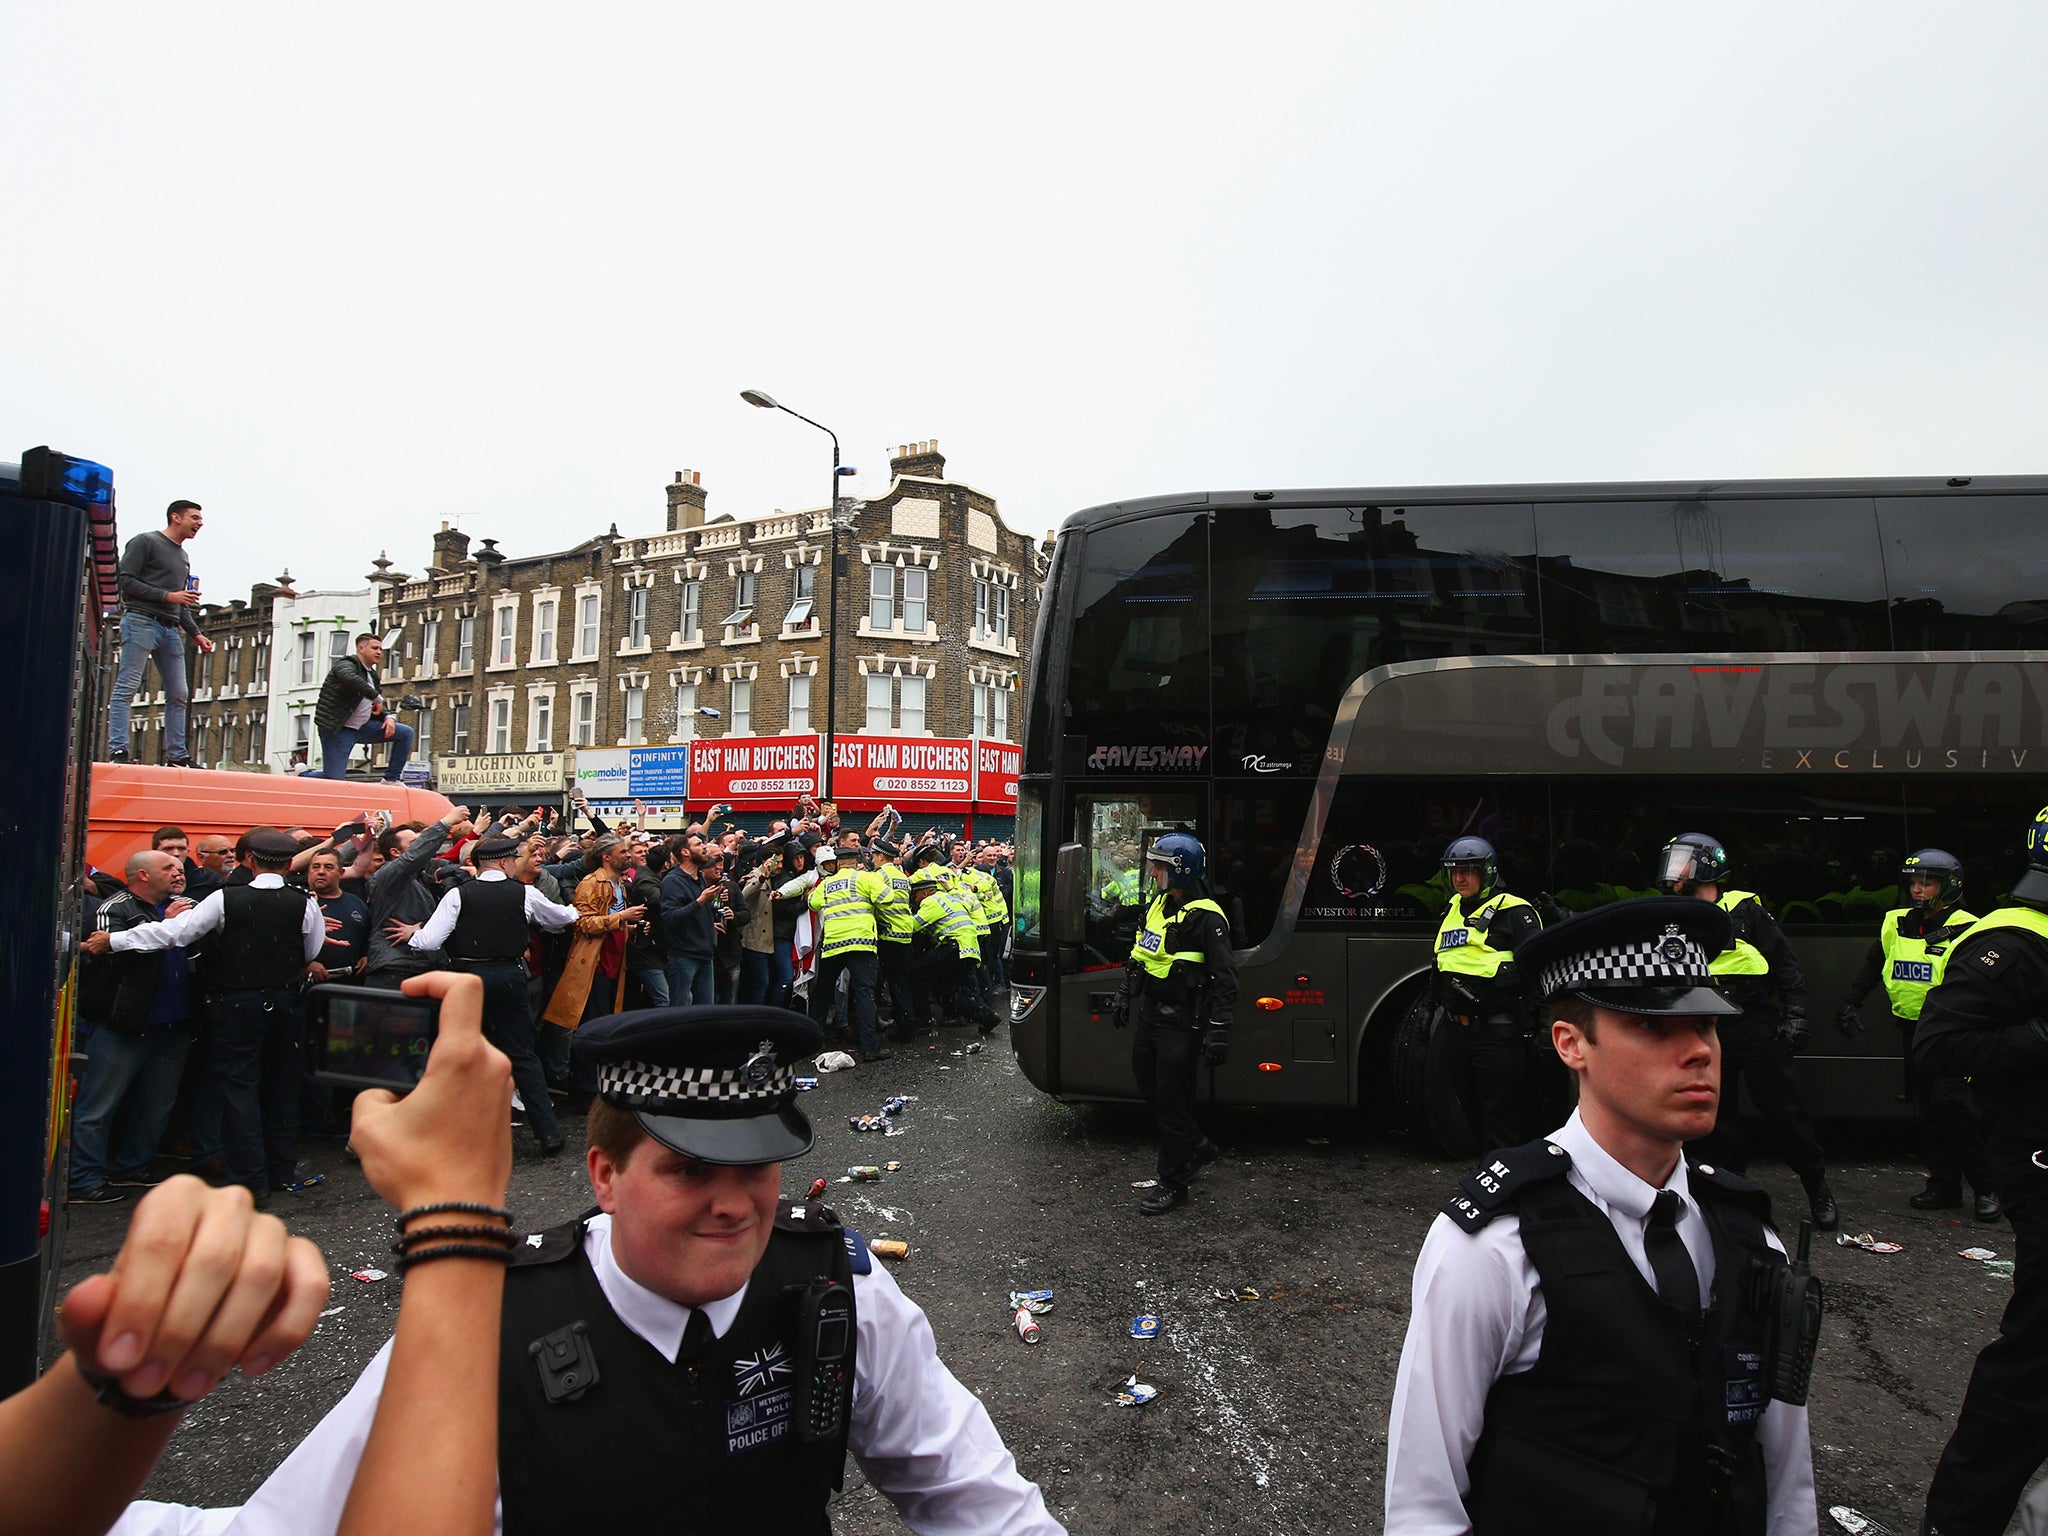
701	1355
1588	1348
483	926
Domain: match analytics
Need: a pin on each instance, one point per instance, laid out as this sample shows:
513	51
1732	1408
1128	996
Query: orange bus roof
130	801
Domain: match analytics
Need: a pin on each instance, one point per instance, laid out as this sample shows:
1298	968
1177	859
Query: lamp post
768	402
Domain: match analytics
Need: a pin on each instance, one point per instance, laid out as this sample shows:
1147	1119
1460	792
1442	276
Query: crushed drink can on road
1856	1523
366	1274
1868	1243
806	1084
867	1123
974	1047
817	1189
890	1248
1032	1301
895	1105
1134	1392
1026	1324
1145	1326
892	1167
864	1173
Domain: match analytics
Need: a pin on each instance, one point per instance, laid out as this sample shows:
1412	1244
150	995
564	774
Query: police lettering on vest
1913	966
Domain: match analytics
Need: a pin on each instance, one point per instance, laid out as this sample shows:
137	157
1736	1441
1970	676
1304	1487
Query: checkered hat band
1668	960
679	1090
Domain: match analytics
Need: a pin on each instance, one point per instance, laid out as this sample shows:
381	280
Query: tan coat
596	894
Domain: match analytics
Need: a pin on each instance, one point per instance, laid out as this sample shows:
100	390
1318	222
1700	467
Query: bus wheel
1419	1073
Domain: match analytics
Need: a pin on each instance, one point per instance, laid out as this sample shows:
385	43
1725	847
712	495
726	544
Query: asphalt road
1272	1412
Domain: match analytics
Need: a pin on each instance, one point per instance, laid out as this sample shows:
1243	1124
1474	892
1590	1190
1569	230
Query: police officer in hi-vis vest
1908	959
1988	1021
1590	1347
1180	988
1760	974
699	1355
1479	989
846	899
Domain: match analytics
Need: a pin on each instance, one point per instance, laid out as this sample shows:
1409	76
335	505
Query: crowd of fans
186	1060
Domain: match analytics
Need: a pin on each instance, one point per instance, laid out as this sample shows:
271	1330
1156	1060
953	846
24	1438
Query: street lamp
768	402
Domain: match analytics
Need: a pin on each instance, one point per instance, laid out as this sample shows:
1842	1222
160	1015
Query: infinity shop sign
1921	713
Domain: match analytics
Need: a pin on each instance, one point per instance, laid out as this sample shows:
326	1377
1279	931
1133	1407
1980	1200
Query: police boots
1822	1199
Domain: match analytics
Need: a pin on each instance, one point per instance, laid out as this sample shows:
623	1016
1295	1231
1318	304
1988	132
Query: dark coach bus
57	523
1329	686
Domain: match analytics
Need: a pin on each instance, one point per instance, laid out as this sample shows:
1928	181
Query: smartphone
365	1037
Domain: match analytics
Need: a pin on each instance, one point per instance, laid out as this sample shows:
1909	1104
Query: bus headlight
1022	1001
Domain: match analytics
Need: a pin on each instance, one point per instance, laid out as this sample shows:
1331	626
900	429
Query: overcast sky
342	272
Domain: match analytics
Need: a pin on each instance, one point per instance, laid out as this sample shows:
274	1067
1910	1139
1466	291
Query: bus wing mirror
1069	894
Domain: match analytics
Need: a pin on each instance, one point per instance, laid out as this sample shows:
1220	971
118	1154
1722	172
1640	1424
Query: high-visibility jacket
961	887
941	915
898	922
1461	940
1741	958
1913	967
845	904
994	910
1149	948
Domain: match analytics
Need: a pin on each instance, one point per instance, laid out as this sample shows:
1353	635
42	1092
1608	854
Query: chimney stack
451	548
686	500
922	460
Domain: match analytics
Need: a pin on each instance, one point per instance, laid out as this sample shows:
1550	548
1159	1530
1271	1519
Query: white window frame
906	685
583	715
799	717
740	715
307	645
589	622
546	611
465	643
881	693
540	720
430	648
636	716
638	602
501	723
919	577
458	728
504	635
690	627
686	708
886	598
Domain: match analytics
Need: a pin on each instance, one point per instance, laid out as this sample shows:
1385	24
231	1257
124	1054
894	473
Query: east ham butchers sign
1984	712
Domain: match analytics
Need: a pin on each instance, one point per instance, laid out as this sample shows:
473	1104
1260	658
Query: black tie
696	1335
1678	1283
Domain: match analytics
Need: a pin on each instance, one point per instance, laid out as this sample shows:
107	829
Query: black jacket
119	990
348	683
1986	1022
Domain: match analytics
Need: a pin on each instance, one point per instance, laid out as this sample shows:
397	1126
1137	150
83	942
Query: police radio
1788	1297
824	1359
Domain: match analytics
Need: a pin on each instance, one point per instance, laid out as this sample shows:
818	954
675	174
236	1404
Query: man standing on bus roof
1910	954
1760	974
1480	992
159	603
1587	1349
1181	988
1988	1020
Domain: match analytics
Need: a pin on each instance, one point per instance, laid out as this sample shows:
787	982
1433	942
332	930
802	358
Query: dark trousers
1952	1137
2001	1434
860	967
1164	1051
1489	1070
508	1024
1750	1051
256	1057
895	979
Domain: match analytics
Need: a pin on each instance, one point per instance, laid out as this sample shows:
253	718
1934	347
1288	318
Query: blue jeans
142	1070
144	639
335	746
653	982
691	981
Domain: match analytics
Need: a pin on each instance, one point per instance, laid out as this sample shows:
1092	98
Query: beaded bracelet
453	1251
106	1391
420	1236
453	1208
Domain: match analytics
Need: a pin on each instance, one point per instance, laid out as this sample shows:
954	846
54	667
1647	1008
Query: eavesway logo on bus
1153	758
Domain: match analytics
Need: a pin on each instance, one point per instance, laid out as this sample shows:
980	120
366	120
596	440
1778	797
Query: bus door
1102	845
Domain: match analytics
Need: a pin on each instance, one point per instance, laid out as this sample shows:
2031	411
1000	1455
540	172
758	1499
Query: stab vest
949	923
262	938
490	925
1740	958
1623	1423
1913	967
708	1446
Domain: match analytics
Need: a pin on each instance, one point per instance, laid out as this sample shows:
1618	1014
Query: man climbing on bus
1759	973
1481	995
1181	989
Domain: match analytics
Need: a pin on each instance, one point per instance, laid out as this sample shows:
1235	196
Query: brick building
717	627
